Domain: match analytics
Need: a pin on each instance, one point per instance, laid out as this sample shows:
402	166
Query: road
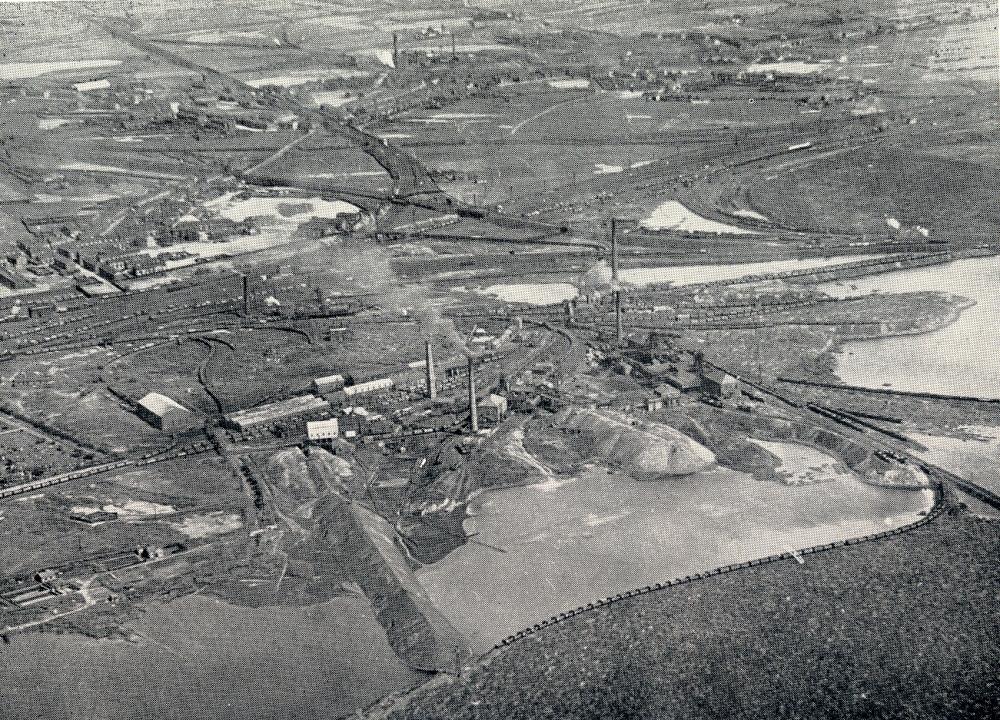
281	151
409	175
412	183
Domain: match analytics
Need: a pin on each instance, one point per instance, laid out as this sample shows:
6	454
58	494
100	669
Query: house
720	384
654	403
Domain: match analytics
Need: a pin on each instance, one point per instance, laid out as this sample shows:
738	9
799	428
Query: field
152	505
857	191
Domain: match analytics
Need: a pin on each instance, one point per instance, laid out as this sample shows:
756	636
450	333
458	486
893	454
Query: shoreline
836	346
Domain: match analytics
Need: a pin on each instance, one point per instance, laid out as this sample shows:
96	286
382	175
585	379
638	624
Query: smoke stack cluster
614	250
473	411
618	316
431	378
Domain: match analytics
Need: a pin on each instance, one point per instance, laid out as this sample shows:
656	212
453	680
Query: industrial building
719	384
165	414
328	384
669	395
371	386
273	412
323	430
492	409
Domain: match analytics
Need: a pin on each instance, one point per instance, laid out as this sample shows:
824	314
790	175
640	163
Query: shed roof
160	404
493	400
720	377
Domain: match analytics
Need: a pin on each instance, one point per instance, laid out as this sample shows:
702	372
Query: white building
371	386
328	384
87	86
319	430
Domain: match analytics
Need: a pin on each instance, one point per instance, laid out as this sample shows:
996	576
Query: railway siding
935	511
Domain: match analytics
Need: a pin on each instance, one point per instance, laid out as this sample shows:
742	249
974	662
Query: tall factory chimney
246	295
395	50
473	411
614	250
618	316
454	55
431	378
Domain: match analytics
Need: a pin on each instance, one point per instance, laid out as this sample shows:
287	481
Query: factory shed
684	380
165	414
323	430
328	384
492	409
670	395
371	386
720	384
271	413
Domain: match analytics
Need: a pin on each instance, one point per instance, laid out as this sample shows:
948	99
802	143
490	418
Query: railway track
103	468
861	428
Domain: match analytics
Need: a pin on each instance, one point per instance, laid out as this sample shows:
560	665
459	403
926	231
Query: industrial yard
418	359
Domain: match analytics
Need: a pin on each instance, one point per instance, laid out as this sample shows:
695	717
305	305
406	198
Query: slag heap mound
364	544
637	447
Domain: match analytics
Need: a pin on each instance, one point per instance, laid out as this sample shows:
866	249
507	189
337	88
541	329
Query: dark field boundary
906	627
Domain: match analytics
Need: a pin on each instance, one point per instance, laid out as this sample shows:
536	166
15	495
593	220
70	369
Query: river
960	359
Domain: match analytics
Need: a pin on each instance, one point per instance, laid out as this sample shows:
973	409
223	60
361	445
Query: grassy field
152	503
902	628
858	190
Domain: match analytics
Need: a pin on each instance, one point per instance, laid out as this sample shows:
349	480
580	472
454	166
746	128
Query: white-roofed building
165	413
264	415
328	384
492	409
371	386
322	430
88	85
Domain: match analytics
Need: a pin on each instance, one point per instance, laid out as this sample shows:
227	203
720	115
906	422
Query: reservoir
960	359
547	548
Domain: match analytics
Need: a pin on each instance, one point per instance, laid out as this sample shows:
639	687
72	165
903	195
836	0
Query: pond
542	549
